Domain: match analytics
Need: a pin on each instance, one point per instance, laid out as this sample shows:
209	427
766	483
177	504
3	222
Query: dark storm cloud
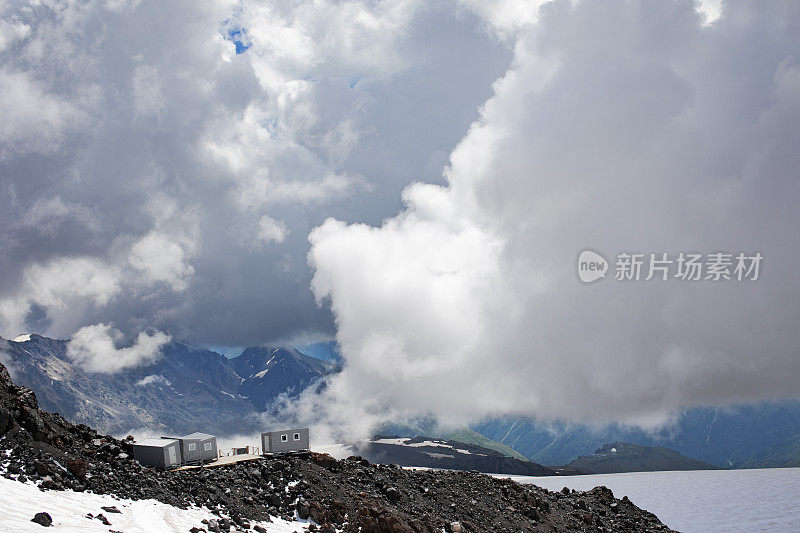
153	178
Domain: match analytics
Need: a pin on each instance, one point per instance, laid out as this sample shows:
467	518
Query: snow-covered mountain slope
78	512
268	372
186	388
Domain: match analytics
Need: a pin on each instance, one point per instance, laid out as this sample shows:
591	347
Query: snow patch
68	509
22	338
392	441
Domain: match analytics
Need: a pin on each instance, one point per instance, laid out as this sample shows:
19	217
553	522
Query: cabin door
172	456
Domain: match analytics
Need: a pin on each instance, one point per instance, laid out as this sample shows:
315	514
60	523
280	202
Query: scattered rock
392	494
43	519
303	509
77	467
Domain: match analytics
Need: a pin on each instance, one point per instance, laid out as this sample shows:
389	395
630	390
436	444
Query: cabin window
297	436
207	446
284	438
192	446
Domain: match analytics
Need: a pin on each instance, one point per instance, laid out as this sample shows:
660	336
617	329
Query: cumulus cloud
94	348
64	286
168	176
160	258
621	126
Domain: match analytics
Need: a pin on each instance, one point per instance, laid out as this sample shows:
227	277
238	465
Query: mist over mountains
189	388
732	437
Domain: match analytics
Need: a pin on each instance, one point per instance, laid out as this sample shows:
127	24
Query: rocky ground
350	495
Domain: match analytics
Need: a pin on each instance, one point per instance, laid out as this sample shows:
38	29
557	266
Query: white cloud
617	129
505	17
151	379
710	9
65	286
10	32
47	214
94	348
271	230
31	119
161	259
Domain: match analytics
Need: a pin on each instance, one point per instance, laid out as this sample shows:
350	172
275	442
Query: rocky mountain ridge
186	388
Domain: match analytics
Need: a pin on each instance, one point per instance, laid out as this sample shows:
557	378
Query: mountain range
185	389
191	388
785	454
731	437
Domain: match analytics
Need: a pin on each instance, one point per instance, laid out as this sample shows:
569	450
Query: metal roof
155	443
201	436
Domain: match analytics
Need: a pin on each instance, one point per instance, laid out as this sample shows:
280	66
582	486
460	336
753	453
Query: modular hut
196	448
163	453
288	440
202	446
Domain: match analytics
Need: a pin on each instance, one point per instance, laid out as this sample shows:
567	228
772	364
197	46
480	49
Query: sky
414	180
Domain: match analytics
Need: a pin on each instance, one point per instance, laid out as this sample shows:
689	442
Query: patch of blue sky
238	36
271	126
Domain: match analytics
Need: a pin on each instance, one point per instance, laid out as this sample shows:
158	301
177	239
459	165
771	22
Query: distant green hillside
473	437
625	457
427	428
783	455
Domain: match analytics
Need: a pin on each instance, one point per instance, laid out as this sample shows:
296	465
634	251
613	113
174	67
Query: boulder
43	519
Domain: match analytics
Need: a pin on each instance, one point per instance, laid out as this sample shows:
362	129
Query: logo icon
591	266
